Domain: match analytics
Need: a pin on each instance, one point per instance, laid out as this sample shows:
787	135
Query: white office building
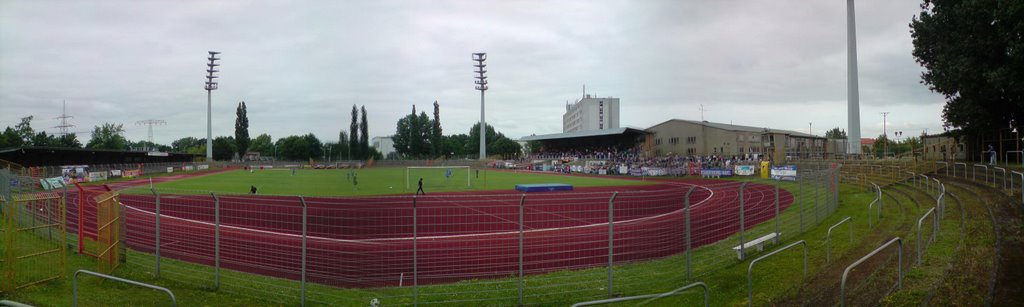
384	144
591	113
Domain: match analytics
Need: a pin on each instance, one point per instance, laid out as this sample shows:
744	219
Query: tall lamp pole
210	87
885	146
481	85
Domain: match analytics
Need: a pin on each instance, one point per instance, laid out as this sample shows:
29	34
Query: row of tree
419	136
105	136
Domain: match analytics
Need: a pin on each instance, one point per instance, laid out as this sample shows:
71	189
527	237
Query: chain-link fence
488	247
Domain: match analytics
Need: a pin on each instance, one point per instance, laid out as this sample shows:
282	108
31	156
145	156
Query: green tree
436	147
835	133
341	149
108	136
971	53
497	143
364	137
69	140
353	132
454	145
25	131
43	140
10	138
224	148
263	144
187	144
241	129
147	145
300	148
882	144
412	135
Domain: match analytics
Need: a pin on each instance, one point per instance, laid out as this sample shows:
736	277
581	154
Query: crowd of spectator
613	159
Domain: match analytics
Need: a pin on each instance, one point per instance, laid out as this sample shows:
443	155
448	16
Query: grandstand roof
731	127
41	156
580	134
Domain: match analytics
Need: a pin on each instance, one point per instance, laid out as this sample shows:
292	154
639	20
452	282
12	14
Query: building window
657	141
673	141
691	151
691	140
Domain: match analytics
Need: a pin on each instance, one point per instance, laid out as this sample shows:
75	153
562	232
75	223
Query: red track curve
368	242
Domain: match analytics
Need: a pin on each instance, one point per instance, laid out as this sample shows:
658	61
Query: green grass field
372	181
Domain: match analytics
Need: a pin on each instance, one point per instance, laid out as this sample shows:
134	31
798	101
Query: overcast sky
300	66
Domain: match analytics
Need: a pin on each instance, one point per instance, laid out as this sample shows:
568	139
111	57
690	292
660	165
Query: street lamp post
210	87
481	85
897	134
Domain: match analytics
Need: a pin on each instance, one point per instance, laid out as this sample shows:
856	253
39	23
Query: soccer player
355	182
252	190
447	175
420	190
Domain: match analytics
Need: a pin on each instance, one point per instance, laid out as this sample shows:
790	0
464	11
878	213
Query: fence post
817	186
800	185
415	268
522	203
686	211
743	254
835	190
776	212
611	239
216	240
305	217
156	244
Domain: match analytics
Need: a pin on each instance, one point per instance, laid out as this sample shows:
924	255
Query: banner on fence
115	173
170	169
189	168
54	183
74	172
786	172
132	173
203	166
655	171
715	172
744	170
602	172
97	176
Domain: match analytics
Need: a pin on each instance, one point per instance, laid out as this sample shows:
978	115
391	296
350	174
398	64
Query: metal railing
935	223
74	285
828	236
649	297
899	267
750	268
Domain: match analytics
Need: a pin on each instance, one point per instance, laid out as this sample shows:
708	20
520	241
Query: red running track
368	242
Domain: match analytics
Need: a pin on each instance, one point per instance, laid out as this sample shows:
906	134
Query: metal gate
34	238
108	232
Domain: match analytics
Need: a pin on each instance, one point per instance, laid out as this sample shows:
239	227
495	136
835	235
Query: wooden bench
759	243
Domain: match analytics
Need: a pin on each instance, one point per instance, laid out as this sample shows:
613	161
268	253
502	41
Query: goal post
436	172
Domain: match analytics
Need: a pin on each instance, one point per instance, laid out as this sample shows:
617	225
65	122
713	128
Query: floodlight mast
481	85
210	87
853	93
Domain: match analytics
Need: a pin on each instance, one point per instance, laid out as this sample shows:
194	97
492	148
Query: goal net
437	177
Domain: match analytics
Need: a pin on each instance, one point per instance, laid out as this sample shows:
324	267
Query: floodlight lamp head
214	52
481	88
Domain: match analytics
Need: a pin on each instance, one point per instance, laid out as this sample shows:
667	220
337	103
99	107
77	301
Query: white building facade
591	113
384	144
